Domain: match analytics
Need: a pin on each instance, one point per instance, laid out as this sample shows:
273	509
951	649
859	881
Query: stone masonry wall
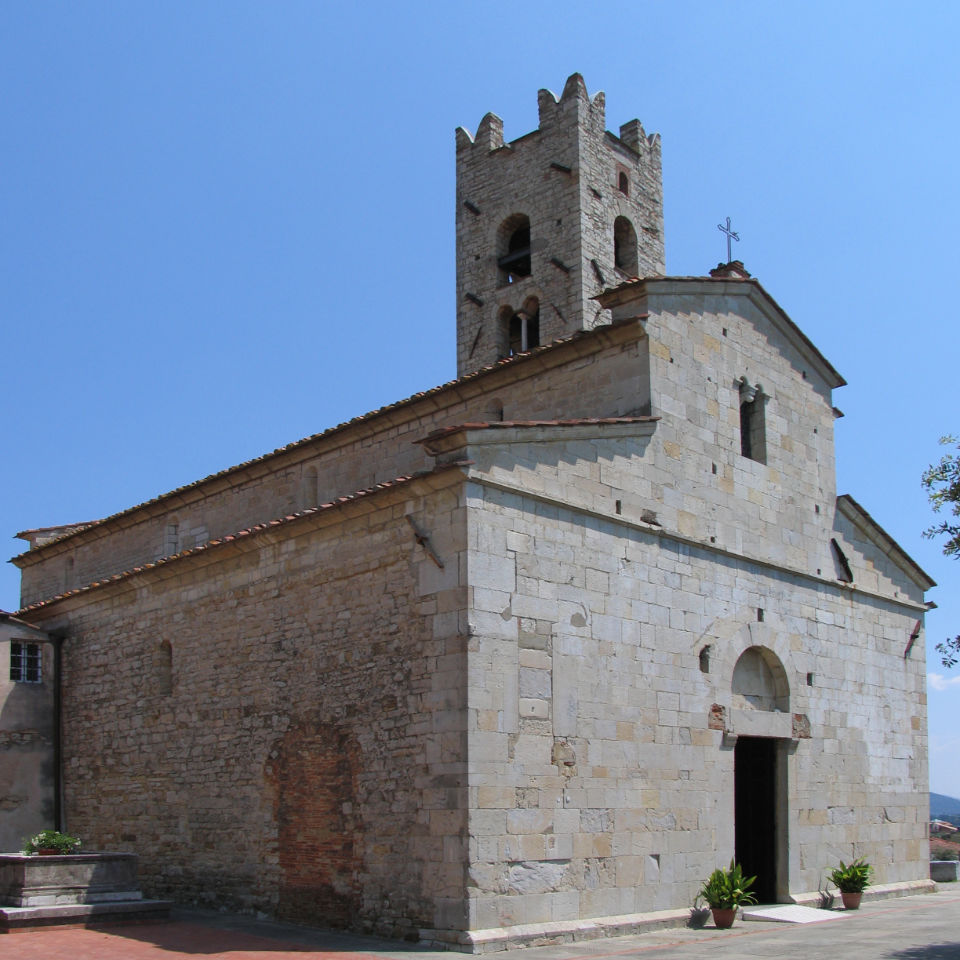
599	784
277	725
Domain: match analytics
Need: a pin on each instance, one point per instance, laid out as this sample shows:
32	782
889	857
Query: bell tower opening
520	331
513	260
625	247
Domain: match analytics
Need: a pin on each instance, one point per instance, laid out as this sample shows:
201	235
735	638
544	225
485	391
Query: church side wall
278	726
601	753
609	382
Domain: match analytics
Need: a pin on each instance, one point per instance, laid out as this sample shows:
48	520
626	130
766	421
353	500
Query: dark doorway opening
755	813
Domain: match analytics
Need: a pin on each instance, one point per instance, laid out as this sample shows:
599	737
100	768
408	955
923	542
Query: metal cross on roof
731	235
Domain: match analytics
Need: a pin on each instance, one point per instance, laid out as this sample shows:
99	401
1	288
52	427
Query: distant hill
944	806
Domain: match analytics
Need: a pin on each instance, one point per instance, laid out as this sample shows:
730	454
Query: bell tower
548	221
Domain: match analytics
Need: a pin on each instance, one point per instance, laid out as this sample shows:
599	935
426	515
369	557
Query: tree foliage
941	480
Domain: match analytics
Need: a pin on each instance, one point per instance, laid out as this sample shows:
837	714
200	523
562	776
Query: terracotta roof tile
370	415
248	532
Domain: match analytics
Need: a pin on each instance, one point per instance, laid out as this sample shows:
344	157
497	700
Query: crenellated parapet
548	220
489	135
575	105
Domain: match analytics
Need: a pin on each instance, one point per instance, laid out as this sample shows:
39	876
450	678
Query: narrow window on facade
171	538
513	249
164	668
625	247
25	662
753	431
310	493
623	183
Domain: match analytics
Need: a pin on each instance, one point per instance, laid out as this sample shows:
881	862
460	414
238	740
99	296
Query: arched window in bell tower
520	331
625	247
513	249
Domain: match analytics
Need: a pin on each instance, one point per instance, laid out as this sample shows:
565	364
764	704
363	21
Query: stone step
19	919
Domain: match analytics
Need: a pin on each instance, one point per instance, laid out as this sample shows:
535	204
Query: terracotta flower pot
723	917
851	901
48	852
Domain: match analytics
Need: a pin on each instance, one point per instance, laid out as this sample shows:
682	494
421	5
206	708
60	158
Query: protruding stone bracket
424	540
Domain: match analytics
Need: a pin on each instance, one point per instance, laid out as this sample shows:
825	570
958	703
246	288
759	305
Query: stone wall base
572	931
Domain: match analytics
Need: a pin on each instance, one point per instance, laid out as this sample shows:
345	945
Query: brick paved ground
913	928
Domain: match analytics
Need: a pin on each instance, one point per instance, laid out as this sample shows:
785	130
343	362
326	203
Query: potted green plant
51	843
851	879
725	891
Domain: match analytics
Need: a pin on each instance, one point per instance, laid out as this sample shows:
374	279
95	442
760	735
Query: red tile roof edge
248	532
844	499
79	525
361	418
747	282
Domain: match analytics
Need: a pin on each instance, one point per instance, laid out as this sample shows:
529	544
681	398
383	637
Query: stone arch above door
759	682
753	690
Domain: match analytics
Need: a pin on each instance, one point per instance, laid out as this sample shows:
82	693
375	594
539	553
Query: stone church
526	655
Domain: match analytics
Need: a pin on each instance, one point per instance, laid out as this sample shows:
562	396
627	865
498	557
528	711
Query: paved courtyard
913	928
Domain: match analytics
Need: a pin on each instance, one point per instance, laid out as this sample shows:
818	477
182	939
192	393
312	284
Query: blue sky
228	225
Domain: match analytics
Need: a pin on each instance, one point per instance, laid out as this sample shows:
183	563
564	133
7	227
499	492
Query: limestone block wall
605	374
702	341
600	781
277	724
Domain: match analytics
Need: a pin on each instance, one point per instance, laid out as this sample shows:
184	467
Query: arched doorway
760	783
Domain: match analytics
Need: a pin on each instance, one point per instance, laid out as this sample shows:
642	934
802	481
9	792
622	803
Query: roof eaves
450	386
751	284
855	512
267	526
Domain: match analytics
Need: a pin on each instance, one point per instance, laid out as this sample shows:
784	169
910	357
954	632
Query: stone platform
78	889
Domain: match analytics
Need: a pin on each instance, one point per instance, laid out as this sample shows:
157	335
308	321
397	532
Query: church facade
528	654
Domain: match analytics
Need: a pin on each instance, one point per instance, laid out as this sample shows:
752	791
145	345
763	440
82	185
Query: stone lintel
760	723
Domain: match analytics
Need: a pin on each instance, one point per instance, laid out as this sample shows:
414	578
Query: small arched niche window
625	247
513	249
623	184
520	331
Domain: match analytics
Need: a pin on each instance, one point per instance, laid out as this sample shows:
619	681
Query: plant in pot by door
51	843
725	891
851	879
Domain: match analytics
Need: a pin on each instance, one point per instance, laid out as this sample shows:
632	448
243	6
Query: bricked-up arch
513	249
625	247
760	682
314	774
